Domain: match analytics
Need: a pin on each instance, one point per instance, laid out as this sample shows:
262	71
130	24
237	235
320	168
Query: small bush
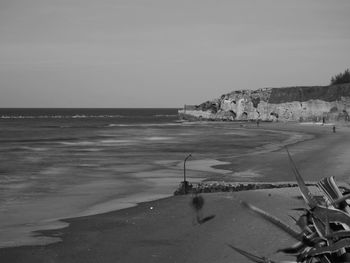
341	78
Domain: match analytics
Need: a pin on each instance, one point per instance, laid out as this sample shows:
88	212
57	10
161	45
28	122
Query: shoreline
74	230
199	170
164	230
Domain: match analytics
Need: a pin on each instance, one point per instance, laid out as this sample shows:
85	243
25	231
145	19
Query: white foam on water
105	142
92	149
159	138
15	185
186	134
77	116
80	143
36	149
55	170
143	124
121	142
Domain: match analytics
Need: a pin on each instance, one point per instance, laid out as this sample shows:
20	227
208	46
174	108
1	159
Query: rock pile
231	187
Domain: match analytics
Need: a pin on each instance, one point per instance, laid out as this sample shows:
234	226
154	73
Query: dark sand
165	230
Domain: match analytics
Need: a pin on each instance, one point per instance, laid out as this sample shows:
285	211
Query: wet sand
324	154
165	230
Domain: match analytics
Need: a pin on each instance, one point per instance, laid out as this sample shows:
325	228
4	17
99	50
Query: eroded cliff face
272	104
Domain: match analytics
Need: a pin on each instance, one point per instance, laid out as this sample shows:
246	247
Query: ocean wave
98	143
142	125
36	149
122	142
158	138
59	116
81	143
79	116
165	115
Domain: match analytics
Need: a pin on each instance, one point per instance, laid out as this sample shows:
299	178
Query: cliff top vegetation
341	78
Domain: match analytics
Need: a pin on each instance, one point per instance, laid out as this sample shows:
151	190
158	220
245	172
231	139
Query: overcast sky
164	53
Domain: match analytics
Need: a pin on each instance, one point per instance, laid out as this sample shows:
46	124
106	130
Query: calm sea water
59	163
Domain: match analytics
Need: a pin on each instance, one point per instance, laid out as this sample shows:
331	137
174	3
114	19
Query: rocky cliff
316	103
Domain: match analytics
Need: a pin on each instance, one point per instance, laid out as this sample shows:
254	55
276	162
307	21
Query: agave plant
324	235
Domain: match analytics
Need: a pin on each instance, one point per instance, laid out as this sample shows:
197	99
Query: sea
62	163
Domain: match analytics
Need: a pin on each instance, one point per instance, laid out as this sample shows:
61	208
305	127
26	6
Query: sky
164	53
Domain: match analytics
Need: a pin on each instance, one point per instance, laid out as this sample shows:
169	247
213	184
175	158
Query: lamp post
185	182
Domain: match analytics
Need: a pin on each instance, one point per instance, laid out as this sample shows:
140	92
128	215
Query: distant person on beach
257	122
323	120
333	128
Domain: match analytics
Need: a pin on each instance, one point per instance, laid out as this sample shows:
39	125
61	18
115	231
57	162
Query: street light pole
185	182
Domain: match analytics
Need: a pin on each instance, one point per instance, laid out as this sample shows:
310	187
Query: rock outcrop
316	103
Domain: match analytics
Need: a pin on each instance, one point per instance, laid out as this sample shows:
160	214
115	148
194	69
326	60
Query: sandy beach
166	231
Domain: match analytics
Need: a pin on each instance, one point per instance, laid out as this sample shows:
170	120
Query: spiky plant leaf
251	256
330	188
341	199
333	248
274	220
305	192
339	234
319	226
293	250
333	215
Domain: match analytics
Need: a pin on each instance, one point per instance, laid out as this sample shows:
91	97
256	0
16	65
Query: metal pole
190	155
185	183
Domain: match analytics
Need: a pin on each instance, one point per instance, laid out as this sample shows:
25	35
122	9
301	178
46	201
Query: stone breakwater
315	103
231	187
